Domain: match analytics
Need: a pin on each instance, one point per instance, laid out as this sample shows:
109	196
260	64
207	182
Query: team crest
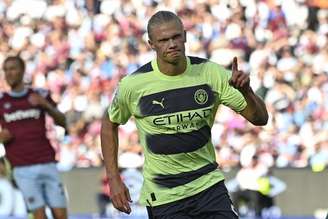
201	96
6	105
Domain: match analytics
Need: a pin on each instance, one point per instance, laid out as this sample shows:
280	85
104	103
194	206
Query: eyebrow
167	38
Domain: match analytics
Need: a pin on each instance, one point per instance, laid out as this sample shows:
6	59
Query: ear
151	44
185	36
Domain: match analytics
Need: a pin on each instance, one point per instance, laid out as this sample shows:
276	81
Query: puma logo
159	103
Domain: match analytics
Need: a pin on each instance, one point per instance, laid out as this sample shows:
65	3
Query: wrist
113	179
112	175
247	91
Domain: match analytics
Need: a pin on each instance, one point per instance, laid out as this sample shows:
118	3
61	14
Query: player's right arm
109	144
5	135
118	113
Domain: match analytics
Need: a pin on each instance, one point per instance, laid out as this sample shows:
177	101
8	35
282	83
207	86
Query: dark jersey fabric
26	123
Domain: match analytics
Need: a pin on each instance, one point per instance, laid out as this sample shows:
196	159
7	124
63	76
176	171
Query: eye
177	36
163	40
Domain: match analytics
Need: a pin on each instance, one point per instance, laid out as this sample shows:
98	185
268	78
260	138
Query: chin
174	60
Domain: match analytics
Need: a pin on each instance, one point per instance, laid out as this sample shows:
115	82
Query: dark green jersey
174	116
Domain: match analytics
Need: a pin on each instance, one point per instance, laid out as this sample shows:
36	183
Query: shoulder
219	70
3	96
204	65
146	68
208	66
197	60
41	91
138	75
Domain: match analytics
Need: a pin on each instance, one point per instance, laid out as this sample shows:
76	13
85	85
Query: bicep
107	125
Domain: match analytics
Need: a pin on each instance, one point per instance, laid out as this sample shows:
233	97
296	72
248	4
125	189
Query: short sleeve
229	96
45	94
119	111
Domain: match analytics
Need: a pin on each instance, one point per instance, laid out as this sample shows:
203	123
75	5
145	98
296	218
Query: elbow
62	122
261	121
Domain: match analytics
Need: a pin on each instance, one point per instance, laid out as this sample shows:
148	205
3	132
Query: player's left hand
37	100
239	79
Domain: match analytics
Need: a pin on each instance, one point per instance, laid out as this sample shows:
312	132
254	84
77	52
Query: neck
18	88
172	69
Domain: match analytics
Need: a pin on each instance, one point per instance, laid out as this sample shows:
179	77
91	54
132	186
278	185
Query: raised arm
255	111
109	145
38	100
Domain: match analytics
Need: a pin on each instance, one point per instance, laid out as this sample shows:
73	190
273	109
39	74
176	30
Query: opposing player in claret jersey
174	100
23	133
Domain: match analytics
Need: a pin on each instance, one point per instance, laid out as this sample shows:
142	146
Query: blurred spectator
11	200
103	197
254	189
129	164
7	202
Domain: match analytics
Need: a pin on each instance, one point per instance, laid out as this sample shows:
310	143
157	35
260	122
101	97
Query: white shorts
40	185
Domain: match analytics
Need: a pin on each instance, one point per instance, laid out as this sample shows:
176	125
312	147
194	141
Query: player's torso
183	104
18	115
26	123
174	116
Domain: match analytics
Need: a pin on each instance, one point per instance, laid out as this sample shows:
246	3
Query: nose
172	43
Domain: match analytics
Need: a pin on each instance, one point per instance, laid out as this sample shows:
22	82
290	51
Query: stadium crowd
81	49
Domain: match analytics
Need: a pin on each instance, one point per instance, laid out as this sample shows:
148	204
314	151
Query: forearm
109	146
58	116
5	135
3	138
255	111
120	195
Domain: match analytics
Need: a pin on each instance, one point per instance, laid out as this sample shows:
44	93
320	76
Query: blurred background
80	49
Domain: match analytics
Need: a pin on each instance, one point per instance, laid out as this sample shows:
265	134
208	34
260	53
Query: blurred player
23	132
174	100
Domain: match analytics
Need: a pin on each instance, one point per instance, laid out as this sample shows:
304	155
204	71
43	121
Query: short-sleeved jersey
174	116
26	123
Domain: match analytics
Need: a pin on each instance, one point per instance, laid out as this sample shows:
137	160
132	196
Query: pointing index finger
234	64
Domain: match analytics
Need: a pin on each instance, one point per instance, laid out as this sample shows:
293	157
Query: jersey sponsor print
27	125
